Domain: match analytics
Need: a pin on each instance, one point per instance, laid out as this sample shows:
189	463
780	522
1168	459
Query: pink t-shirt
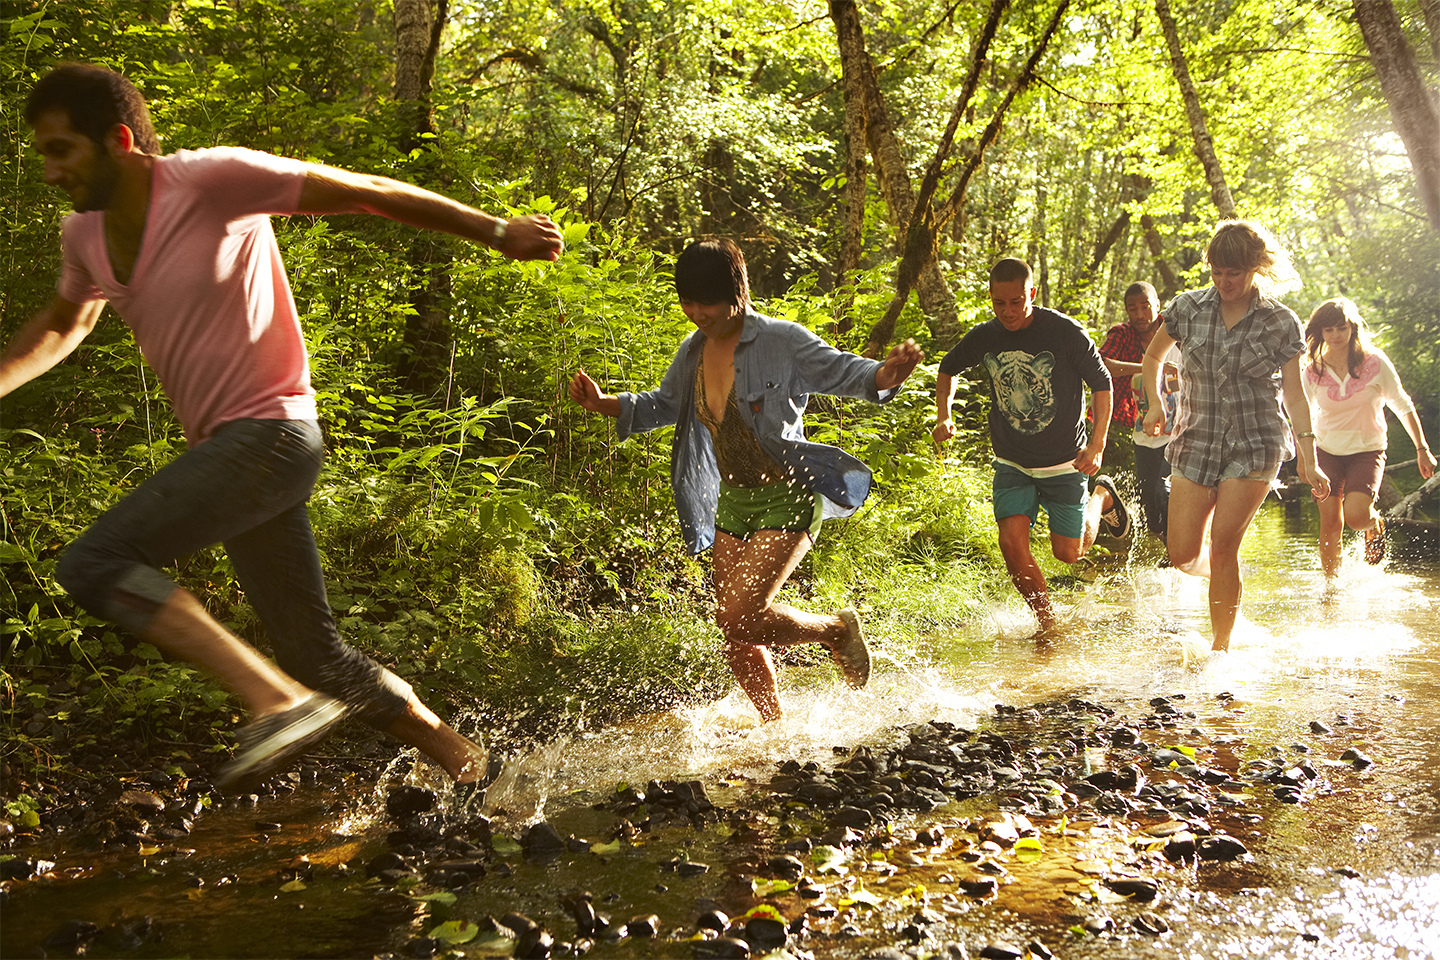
208	300
1349	413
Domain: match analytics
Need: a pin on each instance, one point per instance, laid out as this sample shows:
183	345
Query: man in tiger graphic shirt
1039	362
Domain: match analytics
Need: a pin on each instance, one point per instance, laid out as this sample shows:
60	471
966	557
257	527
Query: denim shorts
1063	496
744	511
1234	470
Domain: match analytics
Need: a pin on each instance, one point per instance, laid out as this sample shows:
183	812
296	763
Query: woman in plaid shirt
1240	375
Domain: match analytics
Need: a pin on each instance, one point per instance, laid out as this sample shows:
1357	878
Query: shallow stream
1351	871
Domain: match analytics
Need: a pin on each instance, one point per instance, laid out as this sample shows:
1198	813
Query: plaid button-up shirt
1230	408
1123	343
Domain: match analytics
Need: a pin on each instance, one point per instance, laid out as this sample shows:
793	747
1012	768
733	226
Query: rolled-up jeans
245	487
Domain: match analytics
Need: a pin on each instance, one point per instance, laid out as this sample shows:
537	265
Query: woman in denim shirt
745	478
1240	375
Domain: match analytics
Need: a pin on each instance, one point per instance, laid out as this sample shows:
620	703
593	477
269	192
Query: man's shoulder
184	164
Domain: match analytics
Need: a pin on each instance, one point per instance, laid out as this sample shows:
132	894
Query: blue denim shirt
778	364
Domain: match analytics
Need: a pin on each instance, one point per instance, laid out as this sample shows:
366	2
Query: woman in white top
1349	381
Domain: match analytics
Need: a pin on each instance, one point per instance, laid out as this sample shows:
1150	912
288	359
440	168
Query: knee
739	625
1359	516
88	576
1067	552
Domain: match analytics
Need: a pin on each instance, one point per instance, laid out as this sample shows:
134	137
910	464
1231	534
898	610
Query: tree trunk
1431	9
1169	282
852	240
1411	107
936	298
1204	146
418	27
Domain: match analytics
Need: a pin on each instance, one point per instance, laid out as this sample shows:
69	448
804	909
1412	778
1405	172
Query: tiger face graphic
1023	389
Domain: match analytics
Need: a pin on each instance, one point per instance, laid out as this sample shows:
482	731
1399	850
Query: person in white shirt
1349	382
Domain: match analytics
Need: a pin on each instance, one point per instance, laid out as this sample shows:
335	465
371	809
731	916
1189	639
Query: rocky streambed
1065	828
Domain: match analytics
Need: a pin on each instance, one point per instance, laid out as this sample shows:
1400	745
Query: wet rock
1039	951
542	840
1180	847
1149	923
534	944
127	934
933	836
643	926
1167	829
1124	737
887	953
1098	925
1220	847
579	904
143	802
855	818
1128	779
810	891
765	934
73	935
786	867
421	947
408	800
1356	759
1141	891
1348	872
721	948
979	887
1002	950
691	868
822	911
1318	727
389	860
1288	794
716	920
518	923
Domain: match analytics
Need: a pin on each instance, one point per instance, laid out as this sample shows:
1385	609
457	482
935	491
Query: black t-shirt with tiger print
1037	397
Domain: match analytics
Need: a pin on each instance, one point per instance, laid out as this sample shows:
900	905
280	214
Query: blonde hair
1247	245
1338	312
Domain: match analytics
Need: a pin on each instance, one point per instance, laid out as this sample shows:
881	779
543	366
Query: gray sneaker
851	654
268	742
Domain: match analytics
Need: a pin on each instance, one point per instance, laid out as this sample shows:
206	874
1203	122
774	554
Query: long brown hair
1337	313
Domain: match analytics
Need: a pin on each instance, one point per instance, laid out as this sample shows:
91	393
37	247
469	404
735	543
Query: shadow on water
1315	670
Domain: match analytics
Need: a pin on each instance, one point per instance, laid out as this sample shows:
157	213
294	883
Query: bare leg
1236	503
748	575
1360	512
1024	571
182	629
1071	549
1332	528
1191	507
463	759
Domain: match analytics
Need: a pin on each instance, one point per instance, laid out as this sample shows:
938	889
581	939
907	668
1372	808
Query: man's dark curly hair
95	98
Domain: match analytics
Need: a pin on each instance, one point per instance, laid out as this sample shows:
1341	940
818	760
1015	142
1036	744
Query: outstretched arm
332	190
586	392
49	337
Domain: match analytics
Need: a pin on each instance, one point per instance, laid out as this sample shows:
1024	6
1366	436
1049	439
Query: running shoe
851	654
269	742
1114	522
468	798
1375	542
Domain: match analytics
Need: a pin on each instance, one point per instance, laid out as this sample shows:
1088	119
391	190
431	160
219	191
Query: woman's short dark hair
712	271
95	98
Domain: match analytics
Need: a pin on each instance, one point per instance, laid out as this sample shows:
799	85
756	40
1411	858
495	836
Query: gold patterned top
741	459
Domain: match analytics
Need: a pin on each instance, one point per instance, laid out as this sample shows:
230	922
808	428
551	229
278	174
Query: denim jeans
1153	472
245	487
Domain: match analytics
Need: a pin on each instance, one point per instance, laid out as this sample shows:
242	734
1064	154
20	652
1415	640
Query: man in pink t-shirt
182	247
